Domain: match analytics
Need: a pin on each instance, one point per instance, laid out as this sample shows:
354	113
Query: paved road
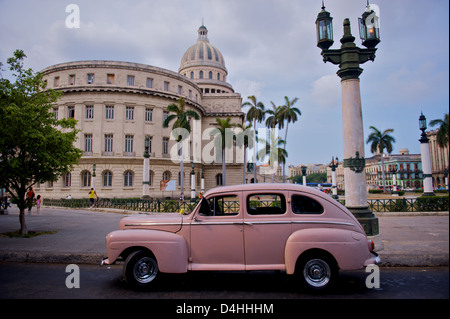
48	281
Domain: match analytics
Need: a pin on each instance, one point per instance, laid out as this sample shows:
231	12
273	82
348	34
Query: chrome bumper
373	260
104	261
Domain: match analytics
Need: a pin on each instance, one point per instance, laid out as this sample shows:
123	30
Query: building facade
403	170
439	160
118	105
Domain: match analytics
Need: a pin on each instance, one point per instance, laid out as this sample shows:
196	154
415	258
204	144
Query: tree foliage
442	135
34	146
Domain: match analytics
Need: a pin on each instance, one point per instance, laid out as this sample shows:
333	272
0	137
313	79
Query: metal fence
131	204
420	204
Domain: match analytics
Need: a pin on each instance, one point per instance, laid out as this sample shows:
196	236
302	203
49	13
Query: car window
227	205
305	205
266	204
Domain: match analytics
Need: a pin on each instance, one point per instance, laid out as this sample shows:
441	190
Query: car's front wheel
140	269
317	272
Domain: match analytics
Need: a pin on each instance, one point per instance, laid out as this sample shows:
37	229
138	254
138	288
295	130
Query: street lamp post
202	183
333	177
192	181
146	172
446	178
394	179
303	168
426	158
93	176
349	57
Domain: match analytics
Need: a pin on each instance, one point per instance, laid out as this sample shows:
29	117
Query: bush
432	203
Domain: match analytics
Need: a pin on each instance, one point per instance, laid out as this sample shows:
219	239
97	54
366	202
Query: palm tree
254	114
275	157
275	117
181	117
289	114
380	141
222	126
442	135
244	138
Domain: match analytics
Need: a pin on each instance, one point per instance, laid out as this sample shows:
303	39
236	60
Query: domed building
120	105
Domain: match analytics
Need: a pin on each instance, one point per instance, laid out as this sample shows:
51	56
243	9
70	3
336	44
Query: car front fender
169	249
348	248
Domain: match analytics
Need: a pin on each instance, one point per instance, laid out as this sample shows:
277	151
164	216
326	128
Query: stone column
353	135
426	167
146	179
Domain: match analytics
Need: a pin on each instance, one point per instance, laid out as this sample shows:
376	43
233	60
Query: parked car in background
285	227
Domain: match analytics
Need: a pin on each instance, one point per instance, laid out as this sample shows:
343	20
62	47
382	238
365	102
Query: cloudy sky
270	51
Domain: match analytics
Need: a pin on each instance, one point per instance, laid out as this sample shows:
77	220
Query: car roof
266	187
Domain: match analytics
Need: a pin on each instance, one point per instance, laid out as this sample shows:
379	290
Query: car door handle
248	223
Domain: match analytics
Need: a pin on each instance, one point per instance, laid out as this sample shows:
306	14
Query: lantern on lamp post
324	27
369	27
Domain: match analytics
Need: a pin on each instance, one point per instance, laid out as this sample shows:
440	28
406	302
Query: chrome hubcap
317	273
145	270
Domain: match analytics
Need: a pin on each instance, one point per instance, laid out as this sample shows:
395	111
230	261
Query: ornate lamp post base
370	224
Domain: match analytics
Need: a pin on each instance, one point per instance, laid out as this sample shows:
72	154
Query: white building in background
118	105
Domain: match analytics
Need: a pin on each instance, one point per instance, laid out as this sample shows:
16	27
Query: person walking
38	202
92	194
30	198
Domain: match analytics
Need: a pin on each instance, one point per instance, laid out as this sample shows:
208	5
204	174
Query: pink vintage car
284	227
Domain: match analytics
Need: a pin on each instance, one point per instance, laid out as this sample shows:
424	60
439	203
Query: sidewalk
409	239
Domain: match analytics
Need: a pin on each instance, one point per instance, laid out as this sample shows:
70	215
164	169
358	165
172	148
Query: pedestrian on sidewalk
38	202
92	195
30	198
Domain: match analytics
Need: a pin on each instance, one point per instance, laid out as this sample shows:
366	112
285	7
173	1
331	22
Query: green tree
442	135
275	117
277	153
290	114
222	126
379	141
181	120
34	146
255	114
246	143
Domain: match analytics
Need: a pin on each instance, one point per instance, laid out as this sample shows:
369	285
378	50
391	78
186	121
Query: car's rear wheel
317	272
140	269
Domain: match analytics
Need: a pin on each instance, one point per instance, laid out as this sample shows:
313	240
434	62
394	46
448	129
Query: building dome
204	64
202	53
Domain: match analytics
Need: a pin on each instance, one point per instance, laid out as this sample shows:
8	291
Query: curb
402	260
63	258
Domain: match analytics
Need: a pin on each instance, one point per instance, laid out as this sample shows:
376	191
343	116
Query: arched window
68	180
128	179
192	75
210	75
86	179
201	74
151	175
219	180
107	179
166	176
